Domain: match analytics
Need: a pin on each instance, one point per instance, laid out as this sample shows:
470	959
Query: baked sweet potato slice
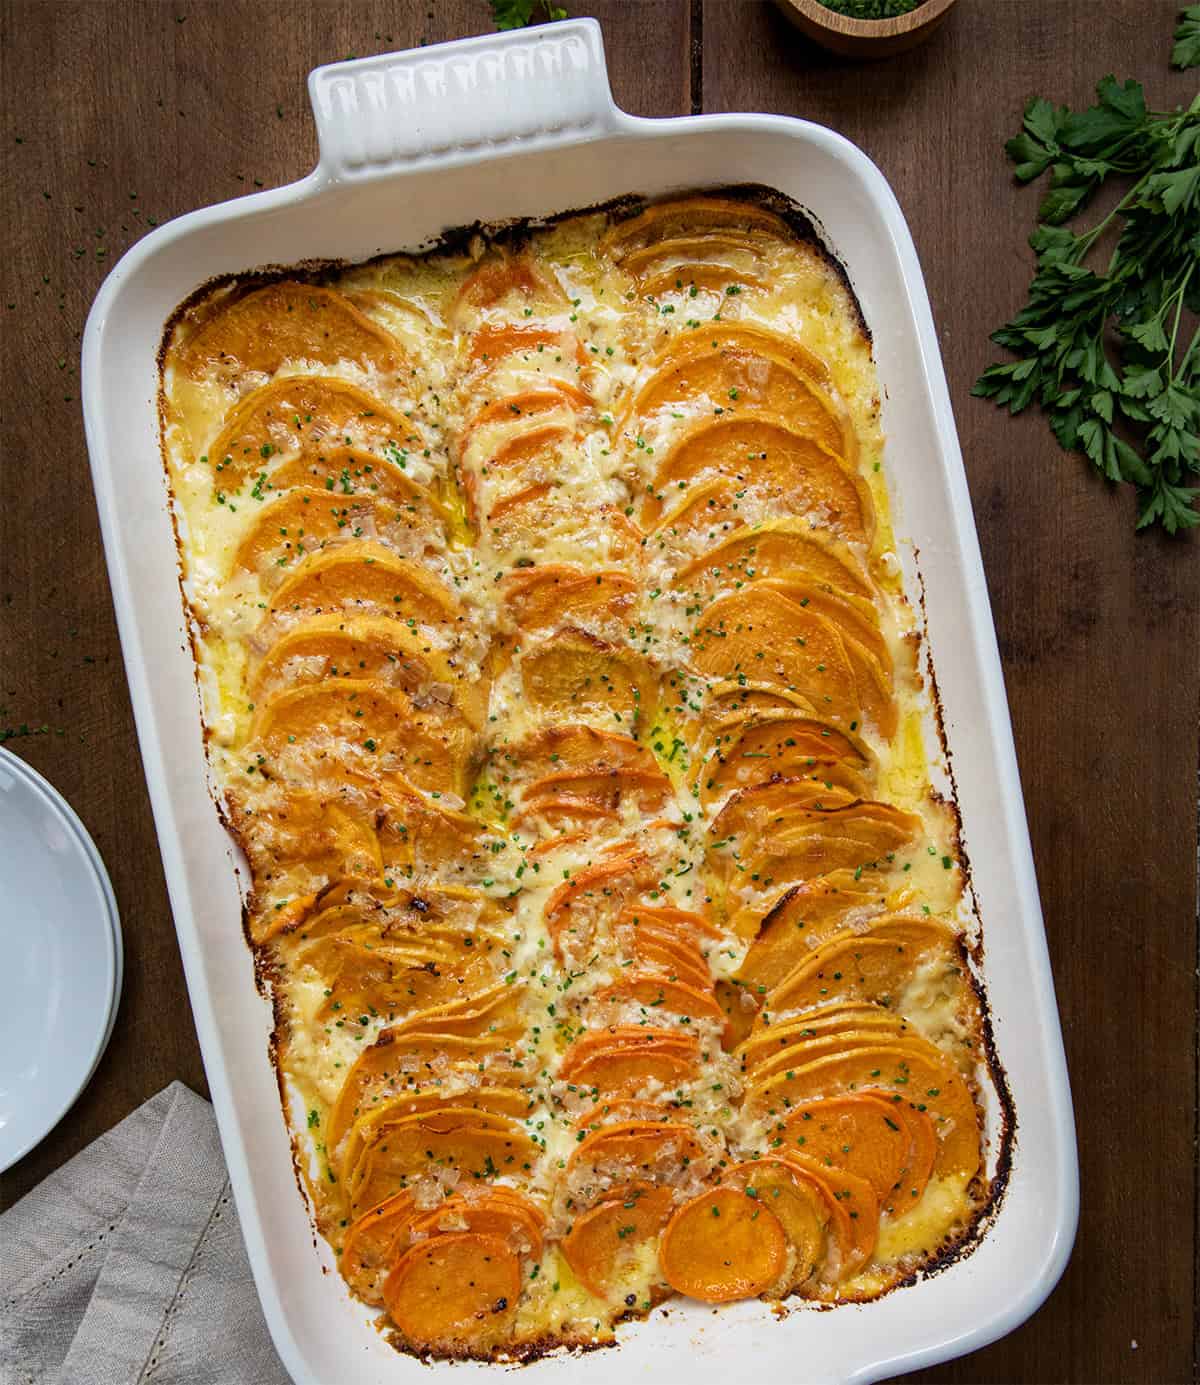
761	635
774	806
876	966
800	1206
912	1068
723	1245
545	597
539	345
791	472
658	990
860	1134
558	749
455	1293
500	1212
769	373
595	892
856	617
468	1142
788	926
352	471
776	1044
505	280
778	548
375	647
856	1198
691	216
300	418
641	1150
614	1059
305	520
605	789
604	1241
687	924
374	1242
363	577
347	725
284	322
548	398
574	676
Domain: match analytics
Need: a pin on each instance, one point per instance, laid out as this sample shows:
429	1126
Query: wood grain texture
140	110
1099	631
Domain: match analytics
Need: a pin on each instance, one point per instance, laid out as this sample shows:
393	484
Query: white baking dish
516	125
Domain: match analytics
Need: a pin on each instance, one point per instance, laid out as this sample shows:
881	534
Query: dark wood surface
118	115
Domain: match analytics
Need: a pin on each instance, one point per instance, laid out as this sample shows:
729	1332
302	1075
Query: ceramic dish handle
462	101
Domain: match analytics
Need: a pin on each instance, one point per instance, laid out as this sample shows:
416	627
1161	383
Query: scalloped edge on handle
463	100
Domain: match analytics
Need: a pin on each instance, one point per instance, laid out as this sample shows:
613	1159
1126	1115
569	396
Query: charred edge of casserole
515	234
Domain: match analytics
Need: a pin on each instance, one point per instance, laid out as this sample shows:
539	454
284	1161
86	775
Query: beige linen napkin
127	1265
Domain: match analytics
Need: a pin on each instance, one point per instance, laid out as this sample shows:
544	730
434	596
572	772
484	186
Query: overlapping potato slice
595	894
628	1059
758	743
545	597
660	991
366	728
912	1067
455	1292
788	547
719	365
374	647
574	676
742	1256
604	1243
305	419
760	635
286	322
363	577
876	966
505	281
887	1142
788	471
351	471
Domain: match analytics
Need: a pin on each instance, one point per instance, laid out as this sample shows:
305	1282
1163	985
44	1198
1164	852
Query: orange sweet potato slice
505	276
723	1245
760	634
499	1212
768	373
857	1133
366	727
468	1142
595	890
304	418
658	991
544	597
363	577
375	647
670	956
749	748
351	471
572	747
540	345
690	216
856	1198
875	966
777	548
456	1292
576	676
641	1149
791	472
684	922
856	616
629	1063
603	789
374	1242
912	1068
549	397
287	321
603	1240
798	1203
786	928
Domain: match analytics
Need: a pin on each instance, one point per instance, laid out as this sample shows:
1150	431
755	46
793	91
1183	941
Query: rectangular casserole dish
523	125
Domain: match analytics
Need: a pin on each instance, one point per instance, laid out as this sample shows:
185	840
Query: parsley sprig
1106	352
515	14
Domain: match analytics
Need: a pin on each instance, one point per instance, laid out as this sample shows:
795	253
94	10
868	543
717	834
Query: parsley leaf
1186	52
515	14
1101	350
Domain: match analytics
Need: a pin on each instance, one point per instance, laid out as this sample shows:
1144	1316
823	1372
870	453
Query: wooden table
117	116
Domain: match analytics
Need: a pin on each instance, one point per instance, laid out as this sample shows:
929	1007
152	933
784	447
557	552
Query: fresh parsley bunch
515	14
1105	352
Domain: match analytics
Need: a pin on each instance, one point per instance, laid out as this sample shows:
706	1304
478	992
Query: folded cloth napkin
127	1264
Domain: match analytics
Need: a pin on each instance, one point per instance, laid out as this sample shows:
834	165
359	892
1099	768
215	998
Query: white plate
60	938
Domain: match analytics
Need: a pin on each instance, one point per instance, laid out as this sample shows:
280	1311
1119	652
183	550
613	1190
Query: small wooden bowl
865	38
